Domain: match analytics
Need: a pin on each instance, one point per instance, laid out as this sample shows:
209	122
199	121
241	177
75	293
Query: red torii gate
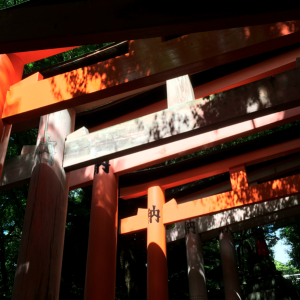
18	108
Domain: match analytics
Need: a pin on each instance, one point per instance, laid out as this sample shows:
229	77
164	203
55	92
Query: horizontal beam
139	68
240	218
174	212
17	170
270	67
123	20
242	103
215	168
278	169
276	216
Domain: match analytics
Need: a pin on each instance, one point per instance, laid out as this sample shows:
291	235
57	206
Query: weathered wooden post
157	269
195	261
41	250
11	70
231	280
102	248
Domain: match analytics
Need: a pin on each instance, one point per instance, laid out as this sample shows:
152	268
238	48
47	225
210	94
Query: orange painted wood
281	63
278	169
265	191
157	269
173	212
252	100
102	248
135	223
81	177
16	172
213	169
238	177
146	158
140	68
232	288
153	108
40	255
270	67
78	22
11	70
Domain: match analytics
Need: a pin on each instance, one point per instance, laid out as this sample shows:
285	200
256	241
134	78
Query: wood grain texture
70	23
216	111
270	190
179	91
102	246
40	255
11	70
14	171
80	132
148	62
17	170
214	221
240	218
212	169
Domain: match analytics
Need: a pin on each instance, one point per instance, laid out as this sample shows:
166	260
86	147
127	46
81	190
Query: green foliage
9	3
289	269
65	56
212	261
292	238
12	210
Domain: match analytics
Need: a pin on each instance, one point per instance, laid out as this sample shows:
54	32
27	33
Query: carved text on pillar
105	164
190	225
45	149
153	213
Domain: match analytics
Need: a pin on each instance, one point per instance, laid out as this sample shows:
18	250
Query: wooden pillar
231	280
195	262
11	70
102	248
179	91
157	269
41	250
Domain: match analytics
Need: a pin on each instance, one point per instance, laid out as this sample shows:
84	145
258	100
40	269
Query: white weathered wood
219	110
179	91
195	262
80	132
240	218
28	149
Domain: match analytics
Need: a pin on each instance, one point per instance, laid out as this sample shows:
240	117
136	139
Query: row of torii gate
194	118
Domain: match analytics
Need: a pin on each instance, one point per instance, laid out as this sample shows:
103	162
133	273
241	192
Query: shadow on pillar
43	238
157	271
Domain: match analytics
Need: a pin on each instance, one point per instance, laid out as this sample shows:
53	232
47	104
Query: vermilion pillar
195	262
229	266
157	270
42	243
102	248
11	70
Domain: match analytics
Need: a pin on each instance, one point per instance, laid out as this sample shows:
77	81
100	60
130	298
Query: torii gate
280	92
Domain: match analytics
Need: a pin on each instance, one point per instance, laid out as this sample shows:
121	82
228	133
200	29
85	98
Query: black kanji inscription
153	213
190	225
105	164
